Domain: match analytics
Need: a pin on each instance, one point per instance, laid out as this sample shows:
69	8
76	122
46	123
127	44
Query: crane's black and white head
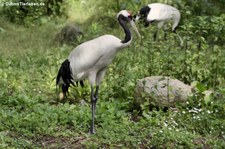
142	15
126	16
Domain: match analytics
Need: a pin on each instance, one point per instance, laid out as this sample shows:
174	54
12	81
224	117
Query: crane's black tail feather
66	75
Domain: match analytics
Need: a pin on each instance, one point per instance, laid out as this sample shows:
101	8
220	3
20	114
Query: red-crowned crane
91	59
159	13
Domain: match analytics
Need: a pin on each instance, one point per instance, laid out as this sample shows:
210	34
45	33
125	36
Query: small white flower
193	111
208	112
175	123
165	124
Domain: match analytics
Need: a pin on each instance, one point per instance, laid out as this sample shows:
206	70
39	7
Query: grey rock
162	91
68	34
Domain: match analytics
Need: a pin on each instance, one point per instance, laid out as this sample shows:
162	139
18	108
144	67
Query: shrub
26	11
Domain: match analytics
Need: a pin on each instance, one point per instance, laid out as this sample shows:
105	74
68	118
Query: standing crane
159	13
90	60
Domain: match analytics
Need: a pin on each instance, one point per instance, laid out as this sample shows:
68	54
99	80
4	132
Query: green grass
32	117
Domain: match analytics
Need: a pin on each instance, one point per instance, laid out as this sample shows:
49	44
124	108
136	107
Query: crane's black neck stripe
122	20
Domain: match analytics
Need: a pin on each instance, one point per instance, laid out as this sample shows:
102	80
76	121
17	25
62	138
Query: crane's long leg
94	94
164	31
165	35
94	98
155	35
181	41
93	110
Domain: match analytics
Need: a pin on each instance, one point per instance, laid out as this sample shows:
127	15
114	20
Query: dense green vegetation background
32	117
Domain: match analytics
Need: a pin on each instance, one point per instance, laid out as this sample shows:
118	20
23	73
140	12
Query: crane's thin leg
155	35
94	98
165	36
181	41
164	30
96	93
93	110
146	24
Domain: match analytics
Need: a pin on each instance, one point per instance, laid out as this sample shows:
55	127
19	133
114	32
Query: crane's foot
154	37
165	36
91	132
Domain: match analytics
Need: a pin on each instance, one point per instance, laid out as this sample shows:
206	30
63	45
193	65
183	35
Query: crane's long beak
136	18
135	28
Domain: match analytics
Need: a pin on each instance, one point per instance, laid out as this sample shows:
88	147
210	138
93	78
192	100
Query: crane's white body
162	12
90	59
